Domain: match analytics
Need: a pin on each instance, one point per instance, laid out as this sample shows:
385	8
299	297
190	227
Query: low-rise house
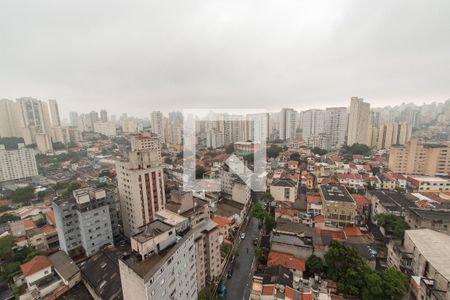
292	165
314	205
428	184
225	226
388	202
287	213
391	181
338	206
294	264
435	219
424	254
284	190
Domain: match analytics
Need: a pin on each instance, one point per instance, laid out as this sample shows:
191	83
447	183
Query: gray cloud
139	56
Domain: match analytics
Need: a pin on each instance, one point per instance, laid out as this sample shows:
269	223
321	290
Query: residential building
10	119
157	125
73	119
287	125
103	116
359	123
393	134
424	255
428	184
162	265
54	113
388	202
105	128
17	164
284	190
83	222
214	139
338	206
141	183
335	126
435	219
207	248
417	158
313	123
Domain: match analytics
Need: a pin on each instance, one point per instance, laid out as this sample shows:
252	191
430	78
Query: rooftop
434	246
36	264
65	266
392	201
336	193
432	214
285	260
285	183
151	230
428	178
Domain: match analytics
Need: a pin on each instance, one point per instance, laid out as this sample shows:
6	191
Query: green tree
229	149
199	172
314	265
59	146
22	195
295	156
395	283
258	211
347	268
273	151
226	248
318	151
5	218
373	290
267	197
70	188
249	158
394	226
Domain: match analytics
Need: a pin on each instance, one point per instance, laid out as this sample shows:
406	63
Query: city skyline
304	55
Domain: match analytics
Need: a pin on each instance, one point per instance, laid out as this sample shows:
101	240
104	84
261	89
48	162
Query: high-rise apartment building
10	119
35	115
393	134
141	183
162	266
105	128
54	113
157	125
313	123
17	164
214	139
287	126
359	123
335	126
416	158
84	221
103	116
73	118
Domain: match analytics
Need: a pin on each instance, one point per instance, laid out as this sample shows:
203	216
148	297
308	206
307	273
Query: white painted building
17	164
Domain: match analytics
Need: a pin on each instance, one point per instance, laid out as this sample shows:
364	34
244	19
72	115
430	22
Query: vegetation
70	188
314	265
273	151
319	151
354	276
260	213
23	195
295	156
120	141
267	197
59	146
249	158
199	172
260	256
229	149
225	248
5	218
356	149
394	226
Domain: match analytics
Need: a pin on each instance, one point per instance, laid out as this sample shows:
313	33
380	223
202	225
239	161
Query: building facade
17	164
359	123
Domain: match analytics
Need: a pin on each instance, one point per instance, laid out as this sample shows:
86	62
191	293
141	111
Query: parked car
242	235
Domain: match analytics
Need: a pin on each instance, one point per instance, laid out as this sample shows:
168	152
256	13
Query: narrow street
238	286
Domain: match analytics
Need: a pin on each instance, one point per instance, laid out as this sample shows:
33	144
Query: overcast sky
139	56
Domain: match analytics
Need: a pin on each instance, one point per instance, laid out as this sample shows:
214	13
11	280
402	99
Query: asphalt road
238	286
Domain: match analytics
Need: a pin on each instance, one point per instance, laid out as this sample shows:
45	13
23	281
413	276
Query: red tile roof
285	260
51	217
268	290
360	199
334	234
306	296
289	292
36	264
48	229
313	199
352	231
29	224
319	219
221	221
286	212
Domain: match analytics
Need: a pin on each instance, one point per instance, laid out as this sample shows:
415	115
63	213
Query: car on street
230	273
242	235
255	242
